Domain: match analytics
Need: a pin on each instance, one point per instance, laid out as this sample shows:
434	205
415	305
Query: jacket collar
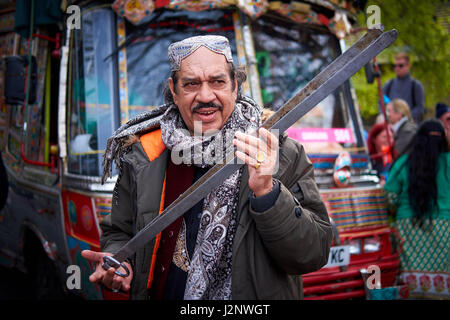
399	123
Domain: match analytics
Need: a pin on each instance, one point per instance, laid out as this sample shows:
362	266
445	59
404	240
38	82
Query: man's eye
190	84
218	82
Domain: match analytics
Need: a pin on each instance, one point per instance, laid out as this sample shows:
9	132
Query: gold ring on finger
260	157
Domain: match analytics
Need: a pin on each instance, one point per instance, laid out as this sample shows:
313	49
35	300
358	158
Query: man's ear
172	89
235	92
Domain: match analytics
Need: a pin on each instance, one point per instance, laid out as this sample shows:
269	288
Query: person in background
405	87
403	126
443	115
379	144
417	193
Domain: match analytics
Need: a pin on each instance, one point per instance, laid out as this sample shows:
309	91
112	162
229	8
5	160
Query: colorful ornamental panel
357	209
299	11
80	217
327	161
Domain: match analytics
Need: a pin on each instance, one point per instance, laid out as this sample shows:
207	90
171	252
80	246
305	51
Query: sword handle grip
110	262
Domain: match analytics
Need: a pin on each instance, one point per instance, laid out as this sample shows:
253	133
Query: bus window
93	103
145	60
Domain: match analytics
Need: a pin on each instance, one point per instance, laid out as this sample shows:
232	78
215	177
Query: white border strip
62	98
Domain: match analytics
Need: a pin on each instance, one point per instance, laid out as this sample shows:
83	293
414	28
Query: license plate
339	256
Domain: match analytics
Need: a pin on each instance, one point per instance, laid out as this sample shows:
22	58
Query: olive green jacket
270	249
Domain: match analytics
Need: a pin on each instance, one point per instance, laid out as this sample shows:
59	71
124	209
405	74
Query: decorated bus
74	71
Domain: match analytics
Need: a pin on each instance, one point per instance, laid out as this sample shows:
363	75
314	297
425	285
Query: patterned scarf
209	268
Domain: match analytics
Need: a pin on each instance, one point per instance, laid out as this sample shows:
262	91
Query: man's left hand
261	156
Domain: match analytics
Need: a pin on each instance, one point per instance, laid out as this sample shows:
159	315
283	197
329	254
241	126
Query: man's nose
205	94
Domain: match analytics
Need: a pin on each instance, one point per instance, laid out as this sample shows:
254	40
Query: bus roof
337	16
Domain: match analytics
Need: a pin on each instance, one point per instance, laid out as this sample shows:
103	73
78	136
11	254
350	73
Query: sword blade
328	80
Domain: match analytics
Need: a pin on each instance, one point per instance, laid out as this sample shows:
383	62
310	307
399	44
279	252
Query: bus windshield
145	62
289	56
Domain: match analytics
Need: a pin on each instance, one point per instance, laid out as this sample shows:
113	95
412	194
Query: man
407	88
403	126
252	236
443	115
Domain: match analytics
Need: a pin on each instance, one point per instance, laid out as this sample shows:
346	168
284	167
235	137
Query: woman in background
403	126
418	190
380	144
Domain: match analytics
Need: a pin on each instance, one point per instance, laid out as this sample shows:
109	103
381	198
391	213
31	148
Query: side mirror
370	73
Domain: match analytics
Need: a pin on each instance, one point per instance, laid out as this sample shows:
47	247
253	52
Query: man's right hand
107	277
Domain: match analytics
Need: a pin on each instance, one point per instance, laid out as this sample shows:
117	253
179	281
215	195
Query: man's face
401	67
393	115
204	90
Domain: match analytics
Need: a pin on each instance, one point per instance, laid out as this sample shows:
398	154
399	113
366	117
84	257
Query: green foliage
423	38
367	96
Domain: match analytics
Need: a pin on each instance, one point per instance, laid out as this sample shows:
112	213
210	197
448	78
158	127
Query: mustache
202	105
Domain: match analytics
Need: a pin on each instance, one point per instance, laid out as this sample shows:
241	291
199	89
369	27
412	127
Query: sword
328	80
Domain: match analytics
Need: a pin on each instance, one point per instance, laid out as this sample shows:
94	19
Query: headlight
355	246
371	244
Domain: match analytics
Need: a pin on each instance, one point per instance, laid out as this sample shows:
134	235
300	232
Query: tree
424	38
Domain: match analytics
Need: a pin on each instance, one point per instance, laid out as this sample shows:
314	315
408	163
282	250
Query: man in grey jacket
250	238
405	87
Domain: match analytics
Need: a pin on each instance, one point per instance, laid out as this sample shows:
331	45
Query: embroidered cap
182	49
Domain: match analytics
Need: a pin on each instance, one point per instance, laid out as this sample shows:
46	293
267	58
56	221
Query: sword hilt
110	262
